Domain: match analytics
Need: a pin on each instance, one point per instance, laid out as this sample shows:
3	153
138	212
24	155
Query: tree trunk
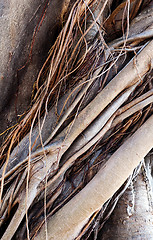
76	119
132	217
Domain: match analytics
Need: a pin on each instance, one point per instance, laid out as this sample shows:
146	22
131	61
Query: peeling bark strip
68	222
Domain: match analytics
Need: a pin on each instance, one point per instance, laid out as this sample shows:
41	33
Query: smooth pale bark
68	222
81	146
132	110
66	105
124	79
129	76
132	217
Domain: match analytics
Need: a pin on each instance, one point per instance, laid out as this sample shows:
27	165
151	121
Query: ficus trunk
76	119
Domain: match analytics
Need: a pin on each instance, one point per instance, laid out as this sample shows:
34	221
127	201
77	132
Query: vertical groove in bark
132	217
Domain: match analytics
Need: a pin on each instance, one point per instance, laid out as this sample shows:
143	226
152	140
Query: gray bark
29	29
132	217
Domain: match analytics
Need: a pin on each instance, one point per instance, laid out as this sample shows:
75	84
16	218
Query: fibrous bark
80	140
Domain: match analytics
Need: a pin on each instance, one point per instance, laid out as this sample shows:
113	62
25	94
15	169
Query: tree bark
132	217
76	119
